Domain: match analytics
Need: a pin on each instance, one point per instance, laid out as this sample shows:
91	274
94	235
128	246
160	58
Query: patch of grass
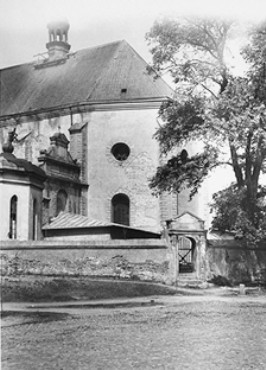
220	281
47	289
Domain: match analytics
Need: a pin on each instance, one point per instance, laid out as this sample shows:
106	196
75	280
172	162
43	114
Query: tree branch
210	91
236	167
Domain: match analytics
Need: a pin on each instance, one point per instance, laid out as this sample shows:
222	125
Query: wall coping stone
90	244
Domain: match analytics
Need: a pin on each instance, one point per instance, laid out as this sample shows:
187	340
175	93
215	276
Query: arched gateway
187	238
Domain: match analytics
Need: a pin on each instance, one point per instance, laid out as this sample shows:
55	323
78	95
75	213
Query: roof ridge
16	66
70	53
98	46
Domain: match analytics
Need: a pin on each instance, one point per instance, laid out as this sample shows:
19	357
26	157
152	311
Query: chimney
58	46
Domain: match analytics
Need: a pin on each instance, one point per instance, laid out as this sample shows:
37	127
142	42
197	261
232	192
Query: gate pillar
174	265
190	227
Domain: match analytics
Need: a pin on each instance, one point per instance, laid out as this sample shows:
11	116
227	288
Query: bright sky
23	31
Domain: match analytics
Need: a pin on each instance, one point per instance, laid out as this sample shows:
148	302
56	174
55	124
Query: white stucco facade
22	192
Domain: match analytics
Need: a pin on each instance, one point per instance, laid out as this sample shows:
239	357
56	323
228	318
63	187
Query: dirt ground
204	332
78	323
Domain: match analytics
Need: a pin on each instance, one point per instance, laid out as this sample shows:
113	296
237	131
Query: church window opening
13	217
61	201
184	156
120	209
120	151
35	220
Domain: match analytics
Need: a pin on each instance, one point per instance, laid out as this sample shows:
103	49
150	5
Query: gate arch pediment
187	257
187	223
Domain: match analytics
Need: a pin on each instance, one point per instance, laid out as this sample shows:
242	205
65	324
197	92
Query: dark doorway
186	254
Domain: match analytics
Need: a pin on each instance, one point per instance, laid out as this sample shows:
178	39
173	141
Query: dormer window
123	92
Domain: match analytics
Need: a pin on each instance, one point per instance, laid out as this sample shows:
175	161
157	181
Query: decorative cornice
59	162
26	181
63	110
66	180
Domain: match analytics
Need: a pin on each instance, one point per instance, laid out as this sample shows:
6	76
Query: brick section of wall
94	266
79	151
168	206
84	143
28	150
76	146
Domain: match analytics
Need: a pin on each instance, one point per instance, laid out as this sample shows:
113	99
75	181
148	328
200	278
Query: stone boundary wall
236	264
140	259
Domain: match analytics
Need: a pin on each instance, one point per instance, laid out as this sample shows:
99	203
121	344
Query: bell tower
58	46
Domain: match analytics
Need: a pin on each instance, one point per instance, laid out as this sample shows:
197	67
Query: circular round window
120	151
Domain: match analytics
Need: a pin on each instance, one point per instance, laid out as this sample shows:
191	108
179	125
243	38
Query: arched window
61	201
34	220
13	217
120	209
184	156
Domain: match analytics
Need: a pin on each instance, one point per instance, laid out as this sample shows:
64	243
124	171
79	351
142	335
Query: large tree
226	113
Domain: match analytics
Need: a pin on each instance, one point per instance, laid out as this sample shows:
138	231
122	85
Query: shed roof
69	221
96	74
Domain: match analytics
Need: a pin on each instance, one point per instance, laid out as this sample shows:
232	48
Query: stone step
191	276
189	280
190	283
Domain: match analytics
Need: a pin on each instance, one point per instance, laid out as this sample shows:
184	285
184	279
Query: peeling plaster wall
141	261
236	264
34	135
107	176
23	194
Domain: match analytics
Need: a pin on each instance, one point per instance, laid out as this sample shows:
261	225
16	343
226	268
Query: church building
81	128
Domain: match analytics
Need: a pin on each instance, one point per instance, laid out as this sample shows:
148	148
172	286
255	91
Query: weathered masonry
77	150
87	118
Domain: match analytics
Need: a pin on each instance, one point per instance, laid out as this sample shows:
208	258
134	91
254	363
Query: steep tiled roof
96	74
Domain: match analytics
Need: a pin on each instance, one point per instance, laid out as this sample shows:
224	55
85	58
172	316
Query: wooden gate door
186	249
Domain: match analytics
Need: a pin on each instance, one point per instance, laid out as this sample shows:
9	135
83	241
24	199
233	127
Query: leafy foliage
229	206
192	50
227	114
